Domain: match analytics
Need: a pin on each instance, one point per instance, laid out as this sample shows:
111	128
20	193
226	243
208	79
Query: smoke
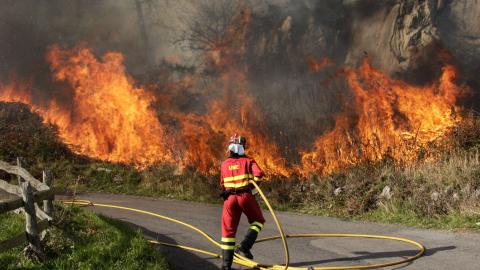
29	27
283	38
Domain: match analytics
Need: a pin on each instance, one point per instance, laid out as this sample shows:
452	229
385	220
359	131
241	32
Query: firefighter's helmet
236	139
236	145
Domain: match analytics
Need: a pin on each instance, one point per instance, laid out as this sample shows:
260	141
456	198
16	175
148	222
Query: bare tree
209	26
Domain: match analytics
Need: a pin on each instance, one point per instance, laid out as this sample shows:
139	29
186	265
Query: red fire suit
236	172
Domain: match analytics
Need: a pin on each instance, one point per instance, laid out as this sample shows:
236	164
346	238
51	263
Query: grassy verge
80	239
456	221
156	181
442	193
11	224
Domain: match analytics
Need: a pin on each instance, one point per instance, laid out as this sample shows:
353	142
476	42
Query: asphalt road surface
445	250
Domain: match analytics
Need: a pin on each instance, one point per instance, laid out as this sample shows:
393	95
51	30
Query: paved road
446	250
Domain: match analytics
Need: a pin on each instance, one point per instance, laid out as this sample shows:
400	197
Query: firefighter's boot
227	255
247	244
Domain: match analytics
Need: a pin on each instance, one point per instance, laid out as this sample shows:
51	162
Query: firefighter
236	172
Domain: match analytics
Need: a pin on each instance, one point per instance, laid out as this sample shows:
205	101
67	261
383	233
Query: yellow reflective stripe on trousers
224	239
237	177
227	247
258	224
233	185
255	228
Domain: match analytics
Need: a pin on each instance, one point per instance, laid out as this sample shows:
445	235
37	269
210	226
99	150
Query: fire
234	110
112	119
109	118
316	65
247	120
387	117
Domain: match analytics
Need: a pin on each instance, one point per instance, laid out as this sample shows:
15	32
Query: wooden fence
28	195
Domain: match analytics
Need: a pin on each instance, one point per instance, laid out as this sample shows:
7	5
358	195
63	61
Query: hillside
443	192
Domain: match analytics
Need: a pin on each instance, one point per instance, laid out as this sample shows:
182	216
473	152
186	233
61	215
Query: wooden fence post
48	204
19	164
20	180
31	227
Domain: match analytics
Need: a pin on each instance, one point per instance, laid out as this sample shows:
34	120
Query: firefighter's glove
224	195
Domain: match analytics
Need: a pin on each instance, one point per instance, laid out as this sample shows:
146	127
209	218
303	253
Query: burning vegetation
109	118
387	117
112	117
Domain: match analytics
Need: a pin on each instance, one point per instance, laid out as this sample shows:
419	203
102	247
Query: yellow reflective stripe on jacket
236	185
237	177
258	179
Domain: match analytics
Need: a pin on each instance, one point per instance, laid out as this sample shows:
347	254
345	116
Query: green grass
11	224
452	221
83	240
156	181
402	215
406	214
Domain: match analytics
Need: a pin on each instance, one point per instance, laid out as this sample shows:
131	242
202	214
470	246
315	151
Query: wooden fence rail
28	195
14	203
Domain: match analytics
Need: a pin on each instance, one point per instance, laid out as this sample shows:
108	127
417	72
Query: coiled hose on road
252	264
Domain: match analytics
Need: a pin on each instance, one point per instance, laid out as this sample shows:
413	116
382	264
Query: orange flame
112	119
388	117
316	65
109	119
234	110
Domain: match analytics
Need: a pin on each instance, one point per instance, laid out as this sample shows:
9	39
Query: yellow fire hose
252	264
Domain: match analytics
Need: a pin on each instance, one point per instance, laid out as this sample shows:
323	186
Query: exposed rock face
403	36
413	29
459	29
398	35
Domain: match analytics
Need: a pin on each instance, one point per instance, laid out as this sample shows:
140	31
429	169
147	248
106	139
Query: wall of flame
113	118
